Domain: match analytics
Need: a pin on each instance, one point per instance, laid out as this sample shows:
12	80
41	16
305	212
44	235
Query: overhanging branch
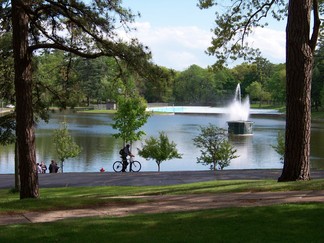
316	28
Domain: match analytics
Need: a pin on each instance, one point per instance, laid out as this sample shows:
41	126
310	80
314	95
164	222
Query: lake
93	132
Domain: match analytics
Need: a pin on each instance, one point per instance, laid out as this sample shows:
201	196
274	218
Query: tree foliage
86	30
131	115
159	88
214	147
159	149
7	92
280	146
64	144
276	85
318	80
7	129
235	21
196	85
256	92
239	20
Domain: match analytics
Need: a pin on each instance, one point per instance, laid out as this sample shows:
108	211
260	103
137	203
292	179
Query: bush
215	149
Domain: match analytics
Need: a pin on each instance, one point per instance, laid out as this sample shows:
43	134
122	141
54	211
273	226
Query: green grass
114	111
98	111
276	223
318	115
268	106
279	223
82	197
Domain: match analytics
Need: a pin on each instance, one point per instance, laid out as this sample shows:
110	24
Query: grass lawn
98	111
268	106
81	197
114	111
281	223
277	223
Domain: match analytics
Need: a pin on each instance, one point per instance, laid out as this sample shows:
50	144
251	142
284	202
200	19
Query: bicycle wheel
118	166
136	166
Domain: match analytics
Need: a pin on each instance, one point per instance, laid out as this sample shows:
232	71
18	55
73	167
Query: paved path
161	203
147	178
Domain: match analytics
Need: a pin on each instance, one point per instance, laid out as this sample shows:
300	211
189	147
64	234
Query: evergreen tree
90	31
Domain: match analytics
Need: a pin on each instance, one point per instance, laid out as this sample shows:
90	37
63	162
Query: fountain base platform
242	128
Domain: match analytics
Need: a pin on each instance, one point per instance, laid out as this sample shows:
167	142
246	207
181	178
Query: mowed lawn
276	223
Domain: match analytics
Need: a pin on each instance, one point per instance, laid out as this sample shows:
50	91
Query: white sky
178	33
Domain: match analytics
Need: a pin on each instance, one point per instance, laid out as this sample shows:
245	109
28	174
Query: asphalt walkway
147	178
160	203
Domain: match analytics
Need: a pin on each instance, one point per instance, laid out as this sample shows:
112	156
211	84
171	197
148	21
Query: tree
245	74
214	147
88	31
131	115
7	136
196	86
159	89
159	149
56	80
238	22
256	92
64	144
318	74
280	146
90	73
277	84
7	92
300	49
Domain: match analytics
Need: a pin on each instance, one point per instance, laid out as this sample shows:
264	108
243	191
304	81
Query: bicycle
134	165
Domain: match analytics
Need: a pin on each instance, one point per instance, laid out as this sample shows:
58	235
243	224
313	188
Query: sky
178	33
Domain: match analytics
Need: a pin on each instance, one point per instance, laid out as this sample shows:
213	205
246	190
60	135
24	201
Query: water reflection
100	149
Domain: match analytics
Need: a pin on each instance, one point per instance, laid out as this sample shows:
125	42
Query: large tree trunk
17	178
24	108
299	60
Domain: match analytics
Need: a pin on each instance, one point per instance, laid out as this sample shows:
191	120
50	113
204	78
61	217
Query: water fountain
239	110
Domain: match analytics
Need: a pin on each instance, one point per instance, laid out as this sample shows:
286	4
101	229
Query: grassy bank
98	111
280	223
82	197
277	223
280	108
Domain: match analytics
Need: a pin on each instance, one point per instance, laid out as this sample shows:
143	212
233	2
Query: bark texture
24	107
299	61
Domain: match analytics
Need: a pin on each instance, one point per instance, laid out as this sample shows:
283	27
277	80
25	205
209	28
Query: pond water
93	132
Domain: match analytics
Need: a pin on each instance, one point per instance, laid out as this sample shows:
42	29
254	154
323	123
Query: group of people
53	167
42	168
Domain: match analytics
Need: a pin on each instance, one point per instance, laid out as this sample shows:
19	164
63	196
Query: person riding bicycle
126	152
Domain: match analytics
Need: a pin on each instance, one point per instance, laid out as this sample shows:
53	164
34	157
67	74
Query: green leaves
280	146
64	144
7	129
214	147
159	149
131	115
237	21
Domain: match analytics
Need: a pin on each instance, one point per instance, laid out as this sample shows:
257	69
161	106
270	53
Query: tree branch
68	49
265	6
316	28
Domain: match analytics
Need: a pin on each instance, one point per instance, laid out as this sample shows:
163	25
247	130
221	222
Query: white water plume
239	109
